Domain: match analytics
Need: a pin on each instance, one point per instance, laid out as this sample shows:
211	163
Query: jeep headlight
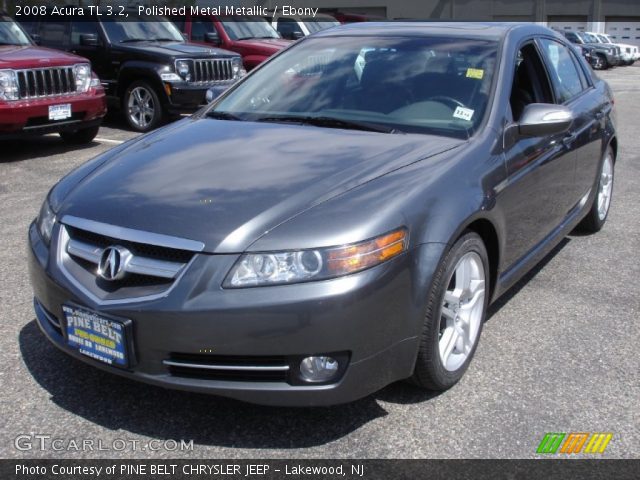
183	69
277	268
8	85
82	74
238	69
45	222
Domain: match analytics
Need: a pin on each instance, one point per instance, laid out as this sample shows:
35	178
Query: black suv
603	56
144	63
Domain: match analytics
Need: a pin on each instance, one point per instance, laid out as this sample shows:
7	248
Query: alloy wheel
462	311
605	187
140	107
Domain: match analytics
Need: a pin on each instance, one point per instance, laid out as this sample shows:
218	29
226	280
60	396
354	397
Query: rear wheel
142	107
597	216
456	308
80	137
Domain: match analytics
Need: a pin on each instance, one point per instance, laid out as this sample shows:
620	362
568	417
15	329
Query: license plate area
60	112
103	338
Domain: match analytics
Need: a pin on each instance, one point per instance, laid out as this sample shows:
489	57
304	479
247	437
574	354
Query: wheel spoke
449	314
463	276
448	343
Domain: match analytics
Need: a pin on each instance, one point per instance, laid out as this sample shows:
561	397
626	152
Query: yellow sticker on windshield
475	73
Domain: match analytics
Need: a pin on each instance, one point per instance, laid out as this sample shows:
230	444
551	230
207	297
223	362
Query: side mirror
212	37
297	35
542	119
37	39
89	39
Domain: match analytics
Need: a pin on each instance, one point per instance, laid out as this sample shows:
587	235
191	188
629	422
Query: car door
541	185
80	30
575	90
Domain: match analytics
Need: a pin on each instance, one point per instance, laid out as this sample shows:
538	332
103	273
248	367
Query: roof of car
489	31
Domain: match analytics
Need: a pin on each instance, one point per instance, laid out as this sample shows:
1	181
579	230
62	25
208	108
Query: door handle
569	139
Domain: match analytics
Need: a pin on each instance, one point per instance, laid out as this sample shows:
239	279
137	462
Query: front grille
212	70
46	82
229	368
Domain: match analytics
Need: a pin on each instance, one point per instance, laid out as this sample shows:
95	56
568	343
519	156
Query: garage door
624	30
568	23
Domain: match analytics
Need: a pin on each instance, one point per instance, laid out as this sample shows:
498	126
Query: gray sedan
338	220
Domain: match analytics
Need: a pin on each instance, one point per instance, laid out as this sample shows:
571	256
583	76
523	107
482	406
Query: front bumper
186	98
31	117
373	317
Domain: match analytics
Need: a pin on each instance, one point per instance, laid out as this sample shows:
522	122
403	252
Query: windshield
417	84
147	28
244	28
588	38
11	33
315	25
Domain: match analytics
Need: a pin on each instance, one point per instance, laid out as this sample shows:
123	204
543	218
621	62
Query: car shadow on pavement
117	403
513	291
38	147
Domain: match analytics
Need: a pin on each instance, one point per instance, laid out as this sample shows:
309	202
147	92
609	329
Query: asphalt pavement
559	353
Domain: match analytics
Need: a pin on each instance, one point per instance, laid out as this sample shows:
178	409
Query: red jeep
252	37
46	91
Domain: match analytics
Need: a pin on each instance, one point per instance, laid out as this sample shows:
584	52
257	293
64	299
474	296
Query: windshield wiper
130	40
164	39
222	115
331	122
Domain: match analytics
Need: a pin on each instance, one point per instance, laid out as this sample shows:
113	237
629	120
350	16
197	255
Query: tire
600	62
599	211
457	303
80	137
142	107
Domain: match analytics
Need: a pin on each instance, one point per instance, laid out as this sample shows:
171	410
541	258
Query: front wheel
598	62
456	308
142	107
597	216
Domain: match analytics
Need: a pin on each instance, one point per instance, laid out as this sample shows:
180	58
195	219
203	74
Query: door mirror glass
89	40
541	119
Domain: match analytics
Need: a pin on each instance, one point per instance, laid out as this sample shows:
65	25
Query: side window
54	32
563	70
82	27
287	27
530	82
199	27
178	22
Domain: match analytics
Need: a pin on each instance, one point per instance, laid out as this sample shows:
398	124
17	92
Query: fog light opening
318	369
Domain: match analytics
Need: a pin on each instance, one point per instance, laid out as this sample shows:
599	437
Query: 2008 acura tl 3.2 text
338	220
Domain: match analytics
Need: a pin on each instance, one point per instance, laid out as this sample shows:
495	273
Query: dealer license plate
95	336
60	112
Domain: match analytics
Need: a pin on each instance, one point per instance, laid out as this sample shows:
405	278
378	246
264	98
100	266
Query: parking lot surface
558	352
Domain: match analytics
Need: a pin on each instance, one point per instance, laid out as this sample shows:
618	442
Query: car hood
227	183
271	45
29	56
176	49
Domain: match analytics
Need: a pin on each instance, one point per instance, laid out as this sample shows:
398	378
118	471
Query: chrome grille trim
138	265
128	234
244	368
212	70
46	82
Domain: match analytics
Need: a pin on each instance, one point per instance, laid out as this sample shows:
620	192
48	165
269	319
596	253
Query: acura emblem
113	263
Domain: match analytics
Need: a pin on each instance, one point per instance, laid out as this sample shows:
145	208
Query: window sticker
464	113
476	73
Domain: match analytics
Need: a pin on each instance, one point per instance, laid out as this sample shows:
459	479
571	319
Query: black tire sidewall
82	136
157	114
592	222
430	371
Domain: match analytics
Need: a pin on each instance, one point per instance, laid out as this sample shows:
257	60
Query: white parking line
108	140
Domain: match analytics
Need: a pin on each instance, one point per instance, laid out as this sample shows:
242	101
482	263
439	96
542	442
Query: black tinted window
54	32
199	28
83	28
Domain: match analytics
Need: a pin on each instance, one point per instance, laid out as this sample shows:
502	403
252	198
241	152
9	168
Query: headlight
238	69
182	67
8	85
45	222
82	74
95	81
277	268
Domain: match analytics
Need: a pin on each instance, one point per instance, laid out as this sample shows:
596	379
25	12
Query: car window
247	27
54	32
200	27
83	27
563	70
11	33
530	82
287	27
419	84
178	22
